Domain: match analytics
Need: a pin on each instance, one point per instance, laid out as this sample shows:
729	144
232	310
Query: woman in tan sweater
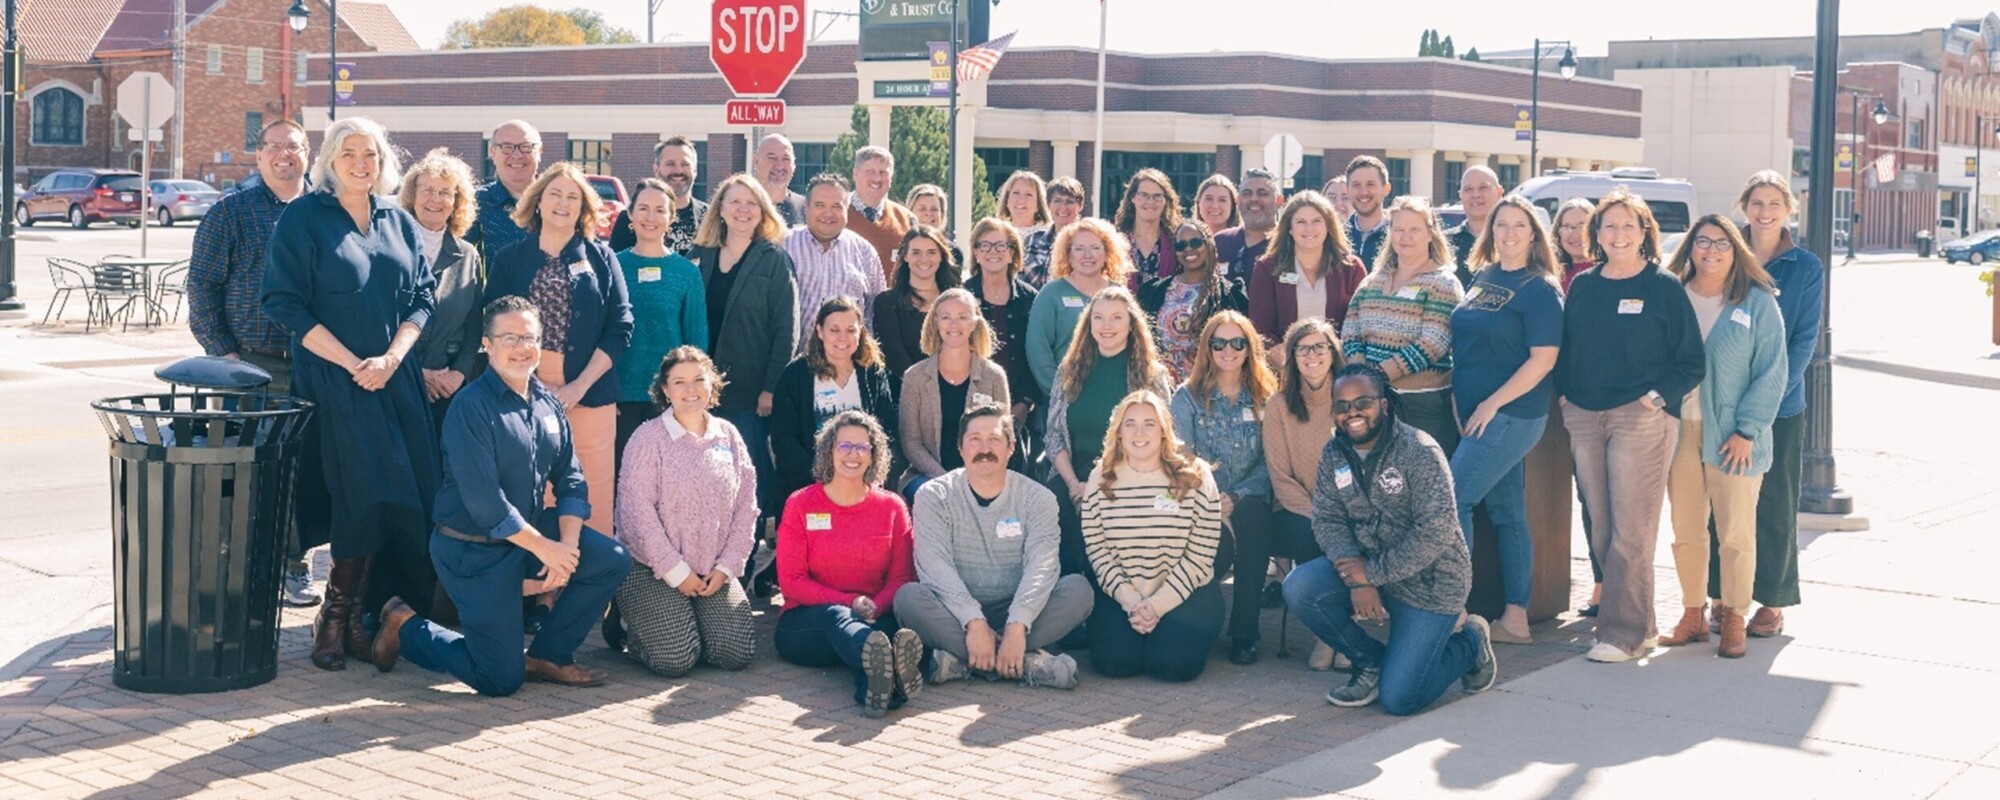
1297	425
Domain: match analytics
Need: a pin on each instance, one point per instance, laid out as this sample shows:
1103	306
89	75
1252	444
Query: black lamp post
1820	492
1881	116
297	16
1567	67
8	299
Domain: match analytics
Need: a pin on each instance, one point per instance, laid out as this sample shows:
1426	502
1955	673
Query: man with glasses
516	150
1238	248
1479	191
225	280
776	162
673	162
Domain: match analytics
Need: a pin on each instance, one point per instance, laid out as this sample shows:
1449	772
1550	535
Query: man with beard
773	169
1238	248
516	150
1479	191
1367	189
1384	515
673	162
986	551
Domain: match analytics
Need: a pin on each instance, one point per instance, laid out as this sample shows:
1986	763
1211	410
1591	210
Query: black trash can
201	499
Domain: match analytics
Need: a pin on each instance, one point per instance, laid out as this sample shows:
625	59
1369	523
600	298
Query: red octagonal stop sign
757	44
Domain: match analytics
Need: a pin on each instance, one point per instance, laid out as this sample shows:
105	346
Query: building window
1311	174
593	156
299	72
1399	178
485	158
1913	134
253	126
215	59
1185	170
1510	175
1001	162
253	65
1454	173
58	117
810	160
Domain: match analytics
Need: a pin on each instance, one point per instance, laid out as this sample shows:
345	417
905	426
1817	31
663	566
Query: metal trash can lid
214	372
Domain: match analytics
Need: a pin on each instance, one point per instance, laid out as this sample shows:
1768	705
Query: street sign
136	89
154	135
757	44
1283	156
754	112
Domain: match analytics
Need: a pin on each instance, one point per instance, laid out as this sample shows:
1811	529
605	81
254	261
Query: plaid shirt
226	275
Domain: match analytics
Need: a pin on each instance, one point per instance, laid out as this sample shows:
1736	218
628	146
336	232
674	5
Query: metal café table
145	266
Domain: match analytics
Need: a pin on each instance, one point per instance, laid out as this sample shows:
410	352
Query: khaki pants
1622	457
593	434
1696	489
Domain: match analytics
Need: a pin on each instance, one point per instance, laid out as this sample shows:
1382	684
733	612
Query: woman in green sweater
669	306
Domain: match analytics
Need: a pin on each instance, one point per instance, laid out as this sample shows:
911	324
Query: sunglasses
1238	343
1184	245
1363	403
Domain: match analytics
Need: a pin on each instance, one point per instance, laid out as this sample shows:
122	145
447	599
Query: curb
1966	379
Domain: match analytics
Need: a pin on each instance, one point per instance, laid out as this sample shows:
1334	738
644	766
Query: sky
1393	29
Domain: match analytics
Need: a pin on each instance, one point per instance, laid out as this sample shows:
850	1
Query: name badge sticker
1409	293
1165	503
1073	302
1289	279
1009	528
1472	294
579	268
1631	305
649	274
1249	414
819	522
1343	477
1740	317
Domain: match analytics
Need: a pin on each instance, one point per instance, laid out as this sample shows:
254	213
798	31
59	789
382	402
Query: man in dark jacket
1383	513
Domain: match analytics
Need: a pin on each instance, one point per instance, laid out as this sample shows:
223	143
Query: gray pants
918	608
1622	461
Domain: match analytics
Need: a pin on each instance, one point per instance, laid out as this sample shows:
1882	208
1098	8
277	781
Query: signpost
757	45
145	101
1283	157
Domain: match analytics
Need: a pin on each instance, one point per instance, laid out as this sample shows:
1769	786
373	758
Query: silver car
174	201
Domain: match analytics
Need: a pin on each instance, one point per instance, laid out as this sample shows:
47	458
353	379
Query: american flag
978	62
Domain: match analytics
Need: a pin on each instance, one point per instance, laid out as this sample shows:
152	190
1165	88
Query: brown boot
1767	622
330	627
1689	629
359	644
387	645
1731	645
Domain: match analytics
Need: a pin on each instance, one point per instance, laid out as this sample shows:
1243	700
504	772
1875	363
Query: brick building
243	71
1190	115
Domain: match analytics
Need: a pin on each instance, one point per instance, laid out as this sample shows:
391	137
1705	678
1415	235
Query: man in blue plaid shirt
225	277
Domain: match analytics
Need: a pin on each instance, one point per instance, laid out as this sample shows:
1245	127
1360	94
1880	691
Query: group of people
983	467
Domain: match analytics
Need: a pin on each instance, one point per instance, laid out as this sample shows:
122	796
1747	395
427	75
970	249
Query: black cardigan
759	321
1011	355
794	426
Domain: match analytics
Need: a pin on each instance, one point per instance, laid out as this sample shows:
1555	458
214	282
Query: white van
1672	199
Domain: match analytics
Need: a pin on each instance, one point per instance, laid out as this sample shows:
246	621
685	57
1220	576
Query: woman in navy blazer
575	282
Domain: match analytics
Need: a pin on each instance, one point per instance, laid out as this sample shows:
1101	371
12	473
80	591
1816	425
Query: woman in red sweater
847	549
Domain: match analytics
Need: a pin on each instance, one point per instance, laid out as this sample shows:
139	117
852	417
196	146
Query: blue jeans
1423	657
826	636
1492	469
484	580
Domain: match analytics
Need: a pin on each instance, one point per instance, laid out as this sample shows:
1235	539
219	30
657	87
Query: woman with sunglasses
1218	414
1181	305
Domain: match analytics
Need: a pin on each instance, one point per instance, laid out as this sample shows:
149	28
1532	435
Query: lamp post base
1832	523
1814	500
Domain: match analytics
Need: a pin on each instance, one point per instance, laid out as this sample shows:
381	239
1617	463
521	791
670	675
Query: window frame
38	129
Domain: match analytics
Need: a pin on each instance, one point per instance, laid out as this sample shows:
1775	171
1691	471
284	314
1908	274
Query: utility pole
180	87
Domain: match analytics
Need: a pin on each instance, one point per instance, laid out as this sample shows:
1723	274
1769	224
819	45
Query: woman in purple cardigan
687	512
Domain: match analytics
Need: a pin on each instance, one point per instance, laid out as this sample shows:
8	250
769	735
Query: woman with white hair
347	277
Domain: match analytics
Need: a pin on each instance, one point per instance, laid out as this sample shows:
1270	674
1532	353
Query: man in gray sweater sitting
1383	513
988	595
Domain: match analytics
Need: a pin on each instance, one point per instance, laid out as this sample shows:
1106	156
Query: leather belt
447	532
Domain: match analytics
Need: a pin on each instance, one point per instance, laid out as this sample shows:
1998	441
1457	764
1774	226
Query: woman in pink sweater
687	512
847	548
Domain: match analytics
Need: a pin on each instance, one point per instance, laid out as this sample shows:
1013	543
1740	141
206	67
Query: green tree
1446	49
1427	43
921	143
1471	55
597	31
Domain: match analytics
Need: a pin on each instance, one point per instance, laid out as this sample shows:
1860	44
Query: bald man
774	164
1479	190
516	149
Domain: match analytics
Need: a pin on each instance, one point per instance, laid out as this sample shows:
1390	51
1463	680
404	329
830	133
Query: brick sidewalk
774	729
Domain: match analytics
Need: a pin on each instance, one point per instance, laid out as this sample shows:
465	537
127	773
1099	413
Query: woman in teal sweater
669	306
1725	427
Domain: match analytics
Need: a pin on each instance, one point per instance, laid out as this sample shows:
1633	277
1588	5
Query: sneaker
946	668
1608	653
1359	691
909	649
1484	669
298	588
878	663
1054	672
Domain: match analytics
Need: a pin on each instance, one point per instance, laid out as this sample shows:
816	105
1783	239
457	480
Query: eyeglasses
1086	249
1216	343
1717	245
1362	403
442	194
1571	228
991	247
288	148
1184	245
516	148
1315	349
854	448
512	340
1149	197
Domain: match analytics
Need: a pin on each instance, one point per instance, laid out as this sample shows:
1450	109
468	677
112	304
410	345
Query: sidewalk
1943	333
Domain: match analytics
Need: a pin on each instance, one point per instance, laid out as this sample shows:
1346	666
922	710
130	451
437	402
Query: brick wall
728	154
1086	166
632	157
1228	160
1041	158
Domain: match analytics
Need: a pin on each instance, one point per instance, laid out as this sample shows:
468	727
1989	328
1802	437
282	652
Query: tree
1446	49
528	26
1471	55
921	143
1427	43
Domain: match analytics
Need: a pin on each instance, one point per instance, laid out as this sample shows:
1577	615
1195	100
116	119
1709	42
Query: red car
83	196
612	191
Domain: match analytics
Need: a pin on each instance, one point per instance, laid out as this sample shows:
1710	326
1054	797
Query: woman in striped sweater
1400	319
1152	521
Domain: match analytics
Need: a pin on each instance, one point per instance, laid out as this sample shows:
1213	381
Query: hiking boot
1054	672
878	663
1359	691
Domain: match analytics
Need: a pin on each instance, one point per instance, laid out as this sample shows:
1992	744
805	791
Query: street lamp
1567	67
296	16
1880	115
8	300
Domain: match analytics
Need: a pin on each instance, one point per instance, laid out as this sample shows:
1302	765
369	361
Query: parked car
82	196
1672	199
1976	249
612	191
174	201
1450	216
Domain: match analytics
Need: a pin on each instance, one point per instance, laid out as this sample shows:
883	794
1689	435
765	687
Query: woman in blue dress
346	278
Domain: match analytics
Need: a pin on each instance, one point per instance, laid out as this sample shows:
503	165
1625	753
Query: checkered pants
668	631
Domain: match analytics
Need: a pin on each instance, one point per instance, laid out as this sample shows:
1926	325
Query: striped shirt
1146	546
847	267
1407	333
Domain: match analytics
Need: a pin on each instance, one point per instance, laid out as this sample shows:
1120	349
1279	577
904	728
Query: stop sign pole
757	45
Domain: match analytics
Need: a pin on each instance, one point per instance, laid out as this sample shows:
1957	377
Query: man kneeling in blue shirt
505	441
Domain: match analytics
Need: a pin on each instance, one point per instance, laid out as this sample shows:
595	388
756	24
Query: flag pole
1097	141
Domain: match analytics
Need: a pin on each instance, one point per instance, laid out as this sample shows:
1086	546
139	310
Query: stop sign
757	44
